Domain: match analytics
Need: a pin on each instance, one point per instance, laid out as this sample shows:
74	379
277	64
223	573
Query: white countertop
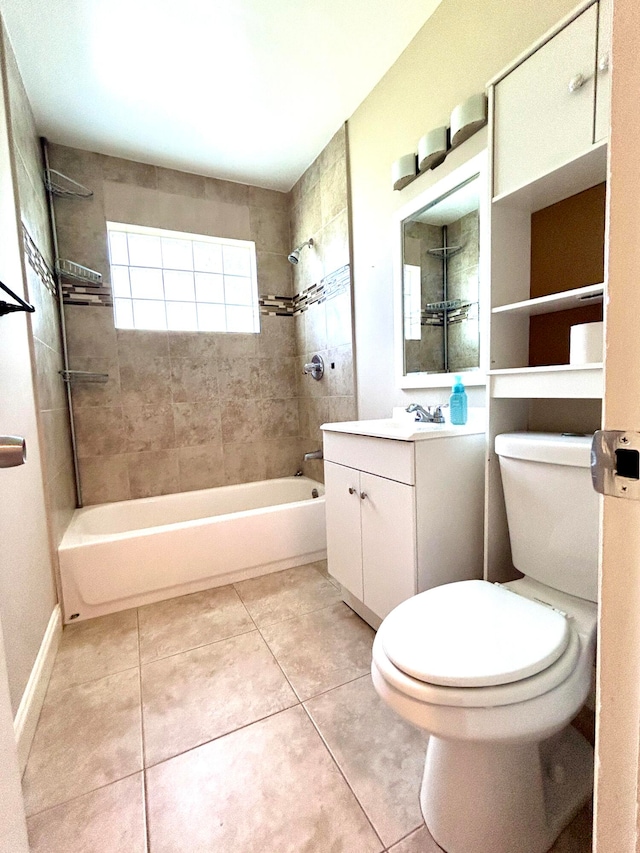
407	431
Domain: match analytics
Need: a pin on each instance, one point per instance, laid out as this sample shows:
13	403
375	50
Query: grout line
84	793
341	772
143	746
53	689
200	646
145	811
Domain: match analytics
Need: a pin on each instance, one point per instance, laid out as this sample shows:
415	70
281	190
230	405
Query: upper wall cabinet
544	108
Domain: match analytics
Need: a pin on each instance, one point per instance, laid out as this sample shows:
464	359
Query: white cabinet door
388	543
539	123
344	543
603	73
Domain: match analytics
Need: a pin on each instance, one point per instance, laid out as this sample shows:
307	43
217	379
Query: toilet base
499	798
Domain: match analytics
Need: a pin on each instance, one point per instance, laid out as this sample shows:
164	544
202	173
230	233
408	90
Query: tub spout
315	454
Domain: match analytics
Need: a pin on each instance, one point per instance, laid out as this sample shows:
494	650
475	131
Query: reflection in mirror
440	283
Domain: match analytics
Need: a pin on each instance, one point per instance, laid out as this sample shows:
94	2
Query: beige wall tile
44	321
315	319
99	431
105	479
334	244
227	192
333	190
300	334
278	377
306	217
270	229
193	344
280	418
148	427
342	409
241	421
201	467
193	380
85	243
138	344
339	329
90	331
259	197
277	337
197	423
51	392
335	150
235	345
238	378
244	463
316	412
128	172
180	183
96	393
153	473
283	457
274	274
145	380
61	491
57	442
340	377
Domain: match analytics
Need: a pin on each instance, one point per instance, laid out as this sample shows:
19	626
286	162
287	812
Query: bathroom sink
405	430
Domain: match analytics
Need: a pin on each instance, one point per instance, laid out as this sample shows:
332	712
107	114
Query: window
182	282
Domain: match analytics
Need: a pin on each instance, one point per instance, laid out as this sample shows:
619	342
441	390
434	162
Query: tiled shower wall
47	343
319	209
183	410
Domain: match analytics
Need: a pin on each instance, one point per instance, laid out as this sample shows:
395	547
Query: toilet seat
473	634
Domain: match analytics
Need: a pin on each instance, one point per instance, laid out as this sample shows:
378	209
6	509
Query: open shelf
578	381
575	298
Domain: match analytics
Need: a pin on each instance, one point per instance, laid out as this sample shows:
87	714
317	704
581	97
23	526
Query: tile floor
237	720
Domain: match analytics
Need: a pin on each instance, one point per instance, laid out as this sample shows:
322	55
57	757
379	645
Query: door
618	694
344	542
544	109
388	514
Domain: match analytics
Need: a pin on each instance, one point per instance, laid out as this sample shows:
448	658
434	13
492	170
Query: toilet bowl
495	673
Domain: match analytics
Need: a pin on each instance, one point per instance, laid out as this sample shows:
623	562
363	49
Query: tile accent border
331	285
37	262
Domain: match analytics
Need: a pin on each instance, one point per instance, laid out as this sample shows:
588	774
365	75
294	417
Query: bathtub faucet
315	454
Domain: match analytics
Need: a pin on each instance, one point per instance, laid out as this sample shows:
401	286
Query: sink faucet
315	454
430	415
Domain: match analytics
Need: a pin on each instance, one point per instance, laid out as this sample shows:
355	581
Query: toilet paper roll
585	343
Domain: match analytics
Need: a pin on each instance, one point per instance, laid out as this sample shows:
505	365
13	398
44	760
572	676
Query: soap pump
458	403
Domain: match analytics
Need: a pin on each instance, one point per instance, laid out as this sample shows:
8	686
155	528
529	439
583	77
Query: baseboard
26	719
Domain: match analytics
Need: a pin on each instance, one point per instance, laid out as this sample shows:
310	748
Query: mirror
439	281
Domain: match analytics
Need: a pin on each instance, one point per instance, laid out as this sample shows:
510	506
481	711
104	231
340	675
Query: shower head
294	257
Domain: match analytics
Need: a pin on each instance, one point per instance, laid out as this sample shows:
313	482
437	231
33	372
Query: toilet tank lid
551	447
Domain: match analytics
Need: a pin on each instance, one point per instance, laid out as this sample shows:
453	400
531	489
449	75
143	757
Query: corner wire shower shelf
63	186
76	272
455	311
444	252
73	376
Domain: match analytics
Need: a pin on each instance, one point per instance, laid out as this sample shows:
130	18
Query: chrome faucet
430	415
315	454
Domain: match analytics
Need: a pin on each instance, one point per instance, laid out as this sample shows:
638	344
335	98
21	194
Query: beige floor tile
419	841
109	820
88	736
323	568
321	650
577	837
96	648
282	595
269	788
381	755
189	621
198	695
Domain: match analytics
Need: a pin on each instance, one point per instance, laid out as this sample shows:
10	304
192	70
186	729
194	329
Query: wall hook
8	308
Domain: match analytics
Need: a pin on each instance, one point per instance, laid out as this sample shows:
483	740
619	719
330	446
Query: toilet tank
552	509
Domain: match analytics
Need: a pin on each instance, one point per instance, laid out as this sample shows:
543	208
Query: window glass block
148	314
123	311
146	283
182	317
120	281
237	260
209	287
178	286
144	251
238	291
177	254
240	319
211	318
118	251
207	257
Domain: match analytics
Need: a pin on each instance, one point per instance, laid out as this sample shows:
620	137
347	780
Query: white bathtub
120	555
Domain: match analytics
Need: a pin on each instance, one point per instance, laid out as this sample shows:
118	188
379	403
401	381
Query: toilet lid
473	634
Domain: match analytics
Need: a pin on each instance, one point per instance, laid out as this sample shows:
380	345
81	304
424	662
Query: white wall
460	47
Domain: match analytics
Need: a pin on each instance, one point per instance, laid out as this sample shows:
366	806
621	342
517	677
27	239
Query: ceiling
247	90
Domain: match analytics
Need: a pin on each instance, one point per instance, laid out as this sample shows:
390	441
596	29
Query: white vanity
404	505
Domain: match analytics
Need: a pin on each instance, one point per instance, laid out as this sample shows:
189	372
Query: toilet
496	672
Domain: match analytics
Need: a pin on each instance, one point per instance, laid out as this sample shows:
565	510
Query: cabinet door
388	543
344	543
539	123
603	74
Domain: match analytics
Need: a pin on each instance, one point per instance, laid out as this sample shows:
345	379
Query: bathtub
120	555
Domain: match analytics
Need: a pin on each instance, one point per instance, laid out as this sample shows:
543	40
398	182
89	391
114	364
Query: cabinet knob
577	82
352	491
363	495
603	62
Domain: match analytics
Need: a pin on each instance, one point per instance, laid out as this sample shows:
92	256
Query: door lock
615	463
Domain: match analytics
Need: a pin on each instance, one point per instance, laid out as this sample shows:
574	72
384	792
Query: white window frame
213	300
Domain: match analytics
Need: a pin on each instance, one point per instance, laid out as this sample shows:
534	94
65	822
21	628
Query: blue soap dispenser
458	403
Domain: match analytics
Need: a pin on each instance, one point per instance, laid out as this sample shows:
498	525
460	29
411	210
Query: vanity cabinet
544	108
402	515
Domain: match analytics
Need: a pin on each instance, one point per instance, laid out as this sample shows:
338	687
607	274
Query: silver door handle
13	451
